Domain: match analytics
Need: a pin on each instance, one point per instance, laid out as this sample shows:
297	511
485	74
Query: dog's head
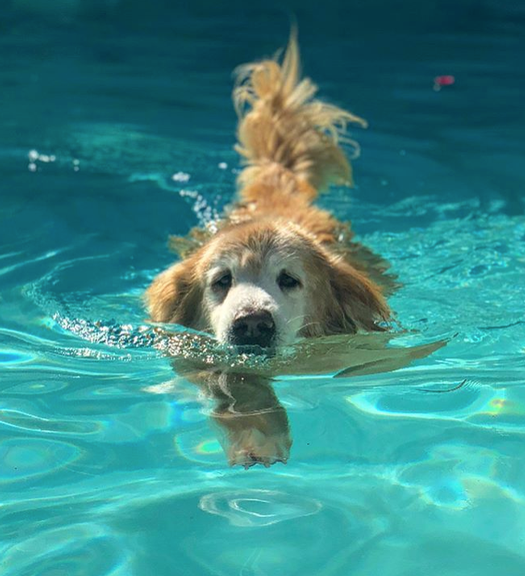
266	284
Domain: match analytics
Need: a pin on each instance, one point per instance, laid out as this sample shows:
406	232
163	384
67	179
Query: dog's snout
253	329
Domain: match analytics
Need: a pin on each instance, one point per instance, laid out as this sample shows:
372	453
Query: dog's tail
282	127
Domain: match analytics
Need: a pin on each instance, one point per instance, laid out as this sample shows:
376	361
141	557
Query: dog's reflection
253	424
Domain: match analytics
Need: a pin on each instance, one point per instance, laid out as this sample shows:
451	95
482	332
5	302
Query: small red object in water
440	81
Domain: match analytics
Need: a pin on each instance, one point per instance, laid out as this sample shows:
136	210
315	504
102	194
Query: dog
278	268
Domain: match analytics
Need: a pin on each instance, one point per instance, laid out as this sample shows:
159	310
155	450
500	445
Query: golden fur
290	143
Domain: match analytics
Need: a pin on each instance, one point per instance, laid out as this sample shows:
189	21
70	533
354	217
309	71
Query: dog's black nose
254	329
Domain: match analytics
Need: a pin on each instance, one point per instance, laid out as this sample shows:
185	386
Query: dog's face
256	290
265	284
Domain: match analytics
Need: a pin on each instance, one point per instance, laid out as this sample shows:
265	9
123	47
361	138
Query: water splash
341	356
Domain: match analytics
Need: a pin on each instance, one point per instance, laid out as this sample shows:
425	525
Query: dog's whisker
293	319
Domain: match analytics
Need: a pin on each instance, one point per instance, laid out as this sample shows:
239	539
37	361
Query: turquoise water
117	130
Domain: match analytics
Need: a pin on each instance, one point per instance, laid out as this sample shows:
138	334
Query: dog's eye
223	282
287	282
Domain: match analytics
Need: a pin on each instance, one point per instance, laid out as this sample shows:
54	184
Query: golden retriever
277	268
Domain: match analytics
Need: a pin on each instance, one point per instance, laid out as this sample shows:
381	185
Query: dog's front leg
255	424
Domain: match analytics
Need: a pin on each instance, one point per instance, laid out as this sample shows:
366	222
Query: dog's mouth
255	350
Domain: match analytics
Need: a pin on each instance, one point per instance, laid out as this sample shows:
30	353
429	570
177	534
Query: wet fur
290	143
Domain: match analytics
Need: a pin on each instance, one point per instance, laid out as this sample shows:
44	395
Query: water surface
117	131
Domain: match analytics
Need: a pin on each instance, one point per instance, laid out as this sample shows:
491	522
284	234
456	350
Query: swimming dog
278	268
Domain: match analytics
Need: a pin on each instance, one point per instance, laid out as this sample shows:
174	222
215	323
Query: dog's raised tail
282	125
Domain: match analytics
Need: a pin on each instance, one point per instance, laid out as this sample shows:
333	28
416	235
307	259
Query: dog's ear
357	302
175	296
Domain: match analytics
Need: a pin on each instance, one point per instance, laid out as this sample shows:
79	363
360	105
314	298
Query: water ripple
257	508
25	421
21	458
85	549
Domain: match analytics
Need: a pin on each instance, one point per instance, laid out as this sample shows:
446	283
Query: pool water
117	131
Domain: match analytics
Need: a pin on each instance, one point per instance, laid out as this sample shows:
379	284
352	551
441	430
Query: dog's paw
253	447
